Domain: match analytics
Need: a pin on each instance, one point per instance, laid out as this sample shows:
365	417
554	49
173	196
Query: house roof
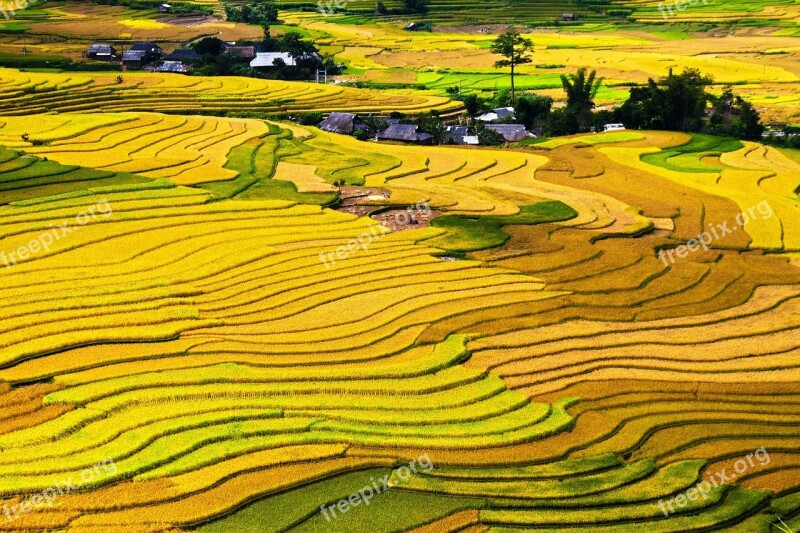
404	132
457	133
150	48
487	117
267	59
101	49
511	132
495	114
246	52
172	66
339	123
133	55
457	130
183	54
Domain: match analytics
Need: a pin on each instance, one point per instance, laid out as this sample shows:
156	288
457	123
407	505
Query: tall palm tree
581	89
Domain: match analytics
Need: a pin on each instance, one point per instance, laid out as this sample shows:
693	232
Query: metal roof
267	59
150	48
495	114
339	123
457	133
403	132
511	132
173	66
133	55
101	49
183	54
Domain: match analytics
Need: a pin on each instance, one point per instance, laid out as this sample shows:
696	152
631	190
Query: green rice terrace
231	302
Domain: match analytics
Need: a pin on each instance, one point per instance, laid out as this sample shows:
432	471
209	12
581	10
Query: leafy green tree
516	50
209	46
311	119
432	125
675	102
563	122
375	123
256	12
297	47
501	98
581	89
416	6
733	116
533	110
685	99
487	137
473	104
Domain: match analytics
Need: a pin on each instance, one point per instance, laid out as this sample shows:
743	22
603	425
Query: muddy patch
362	201
400	219
352	193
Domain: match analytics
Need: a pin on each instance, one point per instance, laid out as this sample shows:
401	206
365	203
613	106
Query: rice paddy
759	59
35	93
213	319
207	337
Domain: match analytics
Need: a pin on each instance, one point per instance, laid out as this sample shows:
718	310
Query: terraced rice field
758	55
196	340
761	62
469	11
28	93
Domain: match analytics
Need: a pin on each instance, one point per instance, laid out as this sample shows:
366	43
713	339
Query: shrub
311	119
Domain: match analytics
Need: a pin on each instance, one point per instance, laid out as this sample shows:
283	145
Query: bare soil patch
362	201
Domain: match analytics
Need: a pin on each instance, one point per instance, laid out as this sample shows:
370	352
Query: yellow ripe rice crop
239	351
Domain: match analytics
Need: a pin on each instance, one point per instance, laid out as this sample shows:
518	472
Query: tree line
678	102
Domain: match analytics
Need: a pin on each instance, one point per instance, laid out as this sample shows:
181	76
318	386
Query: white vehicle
613	127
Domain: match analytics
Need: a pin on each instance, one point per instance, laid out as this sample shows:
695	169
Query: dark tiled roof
339	123
172	66
401	132
148	48
183	54
511	132
245	52
267	59
101	49
457	133
133	55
